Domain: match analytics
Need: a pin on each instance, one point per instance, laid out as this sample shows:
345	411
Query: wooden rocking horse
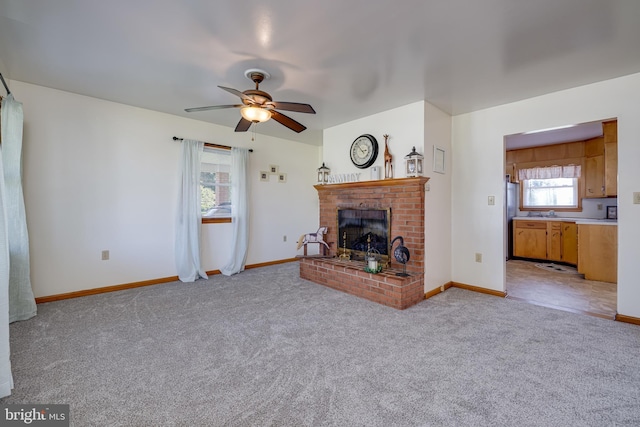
316	237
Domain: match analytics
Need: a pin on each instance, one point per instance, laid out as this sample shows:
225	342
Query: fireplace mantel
377	183
405	197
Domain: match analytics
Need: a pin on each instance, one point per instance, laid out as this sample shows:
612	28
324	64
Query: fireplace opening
363	227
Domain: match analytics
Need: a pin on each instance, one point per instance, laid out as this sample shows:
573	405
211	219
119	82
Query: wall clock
364	151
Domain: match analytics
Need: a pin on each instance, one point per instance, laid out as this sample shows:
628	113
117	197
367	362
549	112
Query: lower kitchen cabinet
546	240
598	252
570	242
554	241
530	239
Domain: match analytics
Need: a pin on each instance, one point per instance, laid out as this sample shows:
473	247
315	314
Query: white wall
103	176
420	125
404	125
478	163
437	127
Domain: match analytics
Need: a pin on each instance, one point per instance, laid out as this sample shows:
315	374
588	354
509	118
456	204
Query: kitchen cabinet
546	240
598	252
530	239
594	177
594	186
601	163
594	147
610	131
554	241
611	170
570	242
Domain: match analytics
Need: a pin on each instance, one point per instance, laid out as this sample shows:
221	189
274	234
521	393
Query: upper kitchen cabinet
601	163
594	185
610	133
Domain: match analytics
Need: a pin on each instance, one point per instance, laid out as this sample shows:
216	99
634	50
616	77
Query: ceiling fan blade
236	92
287	121
294	106
212	107
243	125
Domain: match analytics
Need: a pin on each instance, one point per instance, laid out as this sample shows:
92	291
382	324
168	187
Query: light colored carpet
265	348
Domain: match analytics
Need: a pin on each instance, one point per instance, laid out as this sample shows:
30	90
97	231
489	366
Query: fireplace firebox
361	229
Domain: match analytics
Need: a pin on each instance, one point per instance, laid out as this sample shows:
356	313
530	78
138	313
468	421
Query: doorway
551	280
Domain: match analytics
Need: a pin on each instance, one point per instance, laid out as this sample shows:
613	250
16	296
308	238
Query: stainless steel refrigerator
512	192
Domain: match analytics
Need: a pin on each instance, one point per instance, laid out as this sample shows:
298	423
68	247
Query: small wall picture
612	212
264	176
438	159
273	169
282	177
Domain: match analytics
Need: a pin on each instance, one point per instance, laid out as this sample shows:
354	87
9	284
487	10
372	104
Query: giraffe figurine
388	166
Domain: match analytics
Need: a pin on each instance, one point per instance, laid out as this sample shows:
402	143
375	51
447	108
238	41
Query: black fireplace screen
363	227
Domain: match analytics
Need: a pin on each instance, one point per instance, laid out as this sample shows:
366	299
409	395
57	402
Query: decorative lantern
413	163
323	174
372	259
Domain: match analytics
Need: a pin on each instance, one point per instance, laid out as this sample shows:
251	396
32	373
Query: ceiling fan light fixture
255	114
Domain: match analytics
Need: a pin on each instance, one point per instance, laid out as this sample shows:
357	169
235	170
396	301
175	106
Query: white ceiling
567	133
349	59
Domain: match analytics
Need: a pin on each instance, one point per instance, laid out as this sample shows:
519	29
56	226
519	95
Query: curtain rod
208	144
5	84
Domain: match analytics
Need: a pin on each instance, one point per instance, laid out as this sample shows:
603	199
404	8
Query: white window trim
225	152
576	196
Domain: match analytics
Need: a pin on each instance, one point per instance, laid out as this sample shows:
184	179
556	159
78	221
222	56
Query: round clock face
364	151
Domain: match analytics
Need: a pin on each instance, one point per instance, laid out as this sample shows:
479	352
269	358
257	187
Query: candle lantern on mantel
413	163
323	174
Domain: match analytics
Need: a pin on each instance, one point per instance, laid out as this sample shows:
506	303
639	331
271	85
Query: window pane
215	183
551	193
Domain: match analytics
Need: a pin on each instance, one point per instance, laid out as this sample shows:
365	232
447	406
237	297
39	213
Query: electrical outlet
478	257
105	255
636	198
284	238
492	200
599	206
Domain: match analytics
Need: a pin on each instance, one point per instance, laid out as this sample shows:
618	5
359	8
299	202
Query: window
215	183
550	193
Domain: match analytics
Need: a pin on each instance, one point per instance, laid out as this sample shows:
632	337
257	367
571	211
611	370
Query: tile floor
564	291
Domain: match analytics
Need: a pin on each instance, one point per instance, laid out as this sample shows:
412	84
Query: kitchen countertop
581	221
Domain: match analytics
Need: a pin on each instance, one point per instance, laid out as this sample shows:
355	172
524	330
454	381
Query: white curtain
6	379
568	171
189	215
239	212
22	304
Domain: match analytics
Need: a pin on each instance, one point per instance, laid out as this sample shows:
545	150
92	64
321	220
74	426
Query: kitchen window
550	193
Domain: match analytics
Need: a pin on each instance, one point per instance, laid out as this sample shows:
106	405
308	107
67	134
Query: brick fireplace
405	198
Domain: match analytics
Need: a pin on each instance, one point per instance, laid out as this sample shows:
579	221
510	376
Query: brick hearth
406	198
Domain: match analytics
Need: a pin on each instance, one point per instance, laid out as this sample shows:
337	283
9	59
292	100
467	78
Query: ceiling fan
258	106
